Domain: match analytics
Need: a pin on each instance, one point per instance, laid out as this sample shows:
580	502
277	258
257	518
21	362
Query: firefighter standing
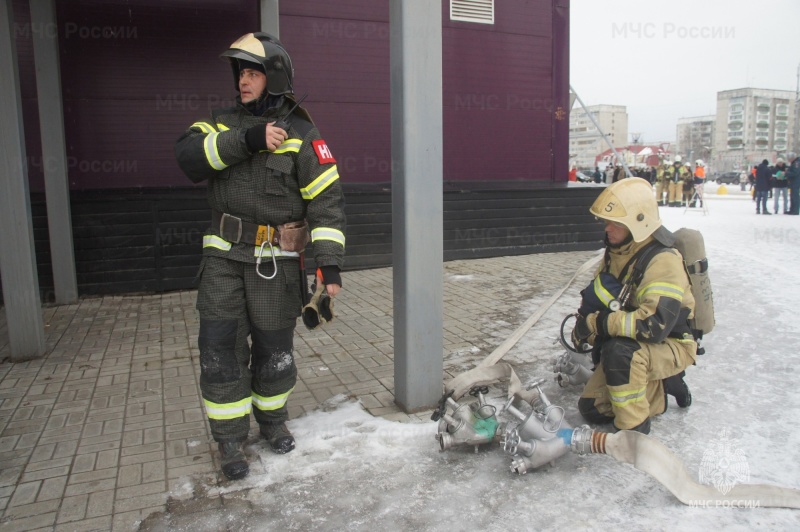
264	181
688	184
643	348
677	174
662	185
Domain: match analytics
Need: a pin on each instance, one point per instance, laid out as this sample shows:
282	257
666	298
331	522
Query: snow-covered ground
351	471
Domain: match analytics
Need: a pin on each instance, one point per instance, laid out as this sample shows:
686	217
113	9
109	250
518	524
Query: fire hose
542	436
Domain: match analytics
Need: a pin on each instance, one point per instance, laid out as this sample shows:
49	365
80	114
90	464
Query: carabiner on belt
274	263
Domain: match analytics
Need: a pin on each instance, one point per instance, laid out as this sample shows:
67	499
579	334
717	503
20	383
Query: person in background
699	180
688	184
780	186
597	176
619	173
763	175
662	183
793	176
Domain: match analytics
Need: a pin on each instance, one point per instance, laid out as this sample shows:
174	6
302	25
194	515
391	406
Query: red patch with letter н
323	152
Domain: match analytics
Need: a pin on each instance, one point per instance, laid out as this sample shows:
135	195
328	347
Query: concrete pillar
417	201
17	259
54	151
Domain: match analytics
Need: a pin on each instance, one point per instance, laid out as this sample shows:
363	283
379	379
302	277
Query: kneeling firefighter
638	317
271	179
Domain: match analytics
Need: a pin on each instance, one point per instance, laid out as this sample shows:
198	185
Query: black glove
581	333
330	274
601	325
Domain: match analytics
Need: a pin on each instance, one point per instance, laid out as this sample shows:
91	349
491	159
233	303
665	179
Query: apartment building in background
752	125
585	142
694	137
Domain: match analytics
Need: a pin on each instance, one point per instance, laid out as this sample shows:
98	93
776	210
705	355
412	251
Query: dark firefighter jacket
297	181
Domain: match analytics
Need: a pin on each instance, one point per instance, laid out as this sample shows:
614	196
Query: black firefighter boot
233	461
677	388
278	436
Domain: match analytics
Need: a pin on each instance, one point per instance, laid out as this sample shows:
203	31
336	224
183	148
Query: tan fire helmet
631	202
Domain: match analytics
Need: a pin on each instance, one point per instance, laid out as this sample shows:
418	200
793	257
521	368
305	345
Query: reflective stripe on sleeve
628	328
660	289
270	403
290	145
210	147
228	410
205	127
600	291
213	241
327	233
317	186
623	398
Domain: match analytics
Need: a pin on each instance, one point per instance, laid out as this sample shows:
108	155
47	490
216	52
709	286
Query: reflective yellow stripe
270	403
222	127
623	398
205	127
278	252
602	294
661	289
327	233
213	241
290	145
210	147
628	328
321	183
228	410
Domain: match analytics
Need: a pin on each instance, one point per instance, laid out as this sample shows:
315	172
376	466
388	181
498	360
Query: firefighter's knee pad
272	354
617	355
217	343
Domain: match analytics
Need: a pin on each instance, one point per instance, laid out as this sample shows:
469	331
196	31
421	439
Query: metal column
54	151
417	178
270	20
17	259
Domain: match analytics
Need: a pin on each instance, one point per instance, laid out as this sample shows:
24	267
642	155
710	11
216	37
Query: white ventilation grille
481	11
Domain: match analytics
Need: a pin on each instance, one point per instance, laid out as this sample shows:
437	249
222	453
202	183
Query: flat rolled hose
654	458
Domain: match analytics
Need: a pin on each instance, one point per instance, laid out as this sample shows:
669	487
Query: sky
668	59
352	471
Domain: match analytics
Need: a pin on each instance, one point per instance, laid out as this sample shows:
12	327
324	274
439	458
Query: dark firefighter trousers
235	379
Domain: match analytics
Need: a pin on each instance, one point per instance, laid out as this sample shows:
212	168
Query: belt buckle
226	217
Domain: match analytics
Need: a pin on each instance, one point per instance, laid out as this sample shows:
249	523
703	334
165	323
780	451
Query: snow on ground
351	471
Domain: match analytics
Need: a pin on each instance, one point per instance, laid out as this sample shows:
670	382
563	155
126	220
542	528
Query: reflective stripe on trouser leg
224	351
625	369
274	373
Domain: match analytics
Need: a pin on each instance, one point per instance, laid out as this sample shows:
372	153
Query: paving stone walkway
96	434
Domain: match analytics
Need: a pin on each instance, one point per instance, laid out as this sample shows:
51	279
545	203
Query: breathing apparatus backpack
607	292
